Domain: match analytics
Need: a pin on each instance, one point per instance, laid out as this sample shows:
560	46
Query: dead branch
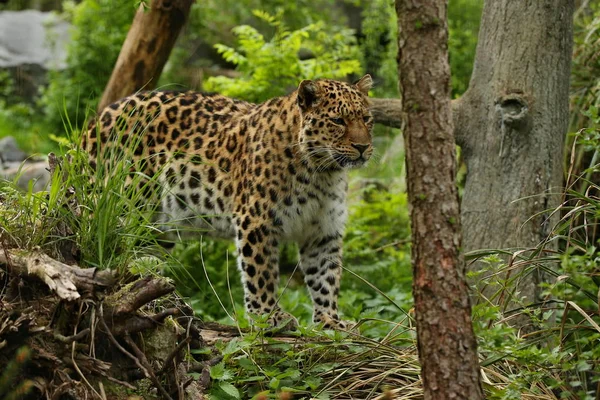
131	298
72	338
388	112
167	364
160	317
65	280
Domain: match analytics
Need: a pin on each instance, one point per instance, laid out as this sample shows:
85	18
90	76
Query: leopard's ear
364	84
308	94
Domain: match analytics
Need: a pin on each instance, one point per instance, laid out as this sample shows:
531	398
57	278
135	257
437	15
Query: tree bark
511	124
445	338
146	49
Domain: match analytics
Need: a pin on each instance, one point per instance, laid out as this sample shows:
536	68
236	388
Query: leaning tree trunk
446	342
511	124
146	49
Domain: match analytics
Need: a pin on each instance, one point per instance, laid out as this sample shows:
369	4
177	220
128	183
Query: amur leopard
259	173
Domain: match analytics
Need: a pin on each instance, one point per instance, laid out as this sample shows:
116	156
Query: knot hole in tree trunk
514	111
513	115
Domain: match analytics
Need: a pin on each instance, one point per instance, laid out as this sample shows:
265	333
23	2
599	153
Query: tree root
91	333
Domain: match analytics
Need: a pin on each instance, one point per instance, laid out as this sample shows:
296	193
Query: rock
31	43
14	163
33	37
10	151
26	172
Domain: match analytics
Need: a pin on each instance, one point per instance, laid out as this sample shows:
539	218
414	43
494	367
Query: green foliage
557	358
210	22
379	45
585	86
307	370
20	120
99	30
207	273
209	25
271	68
463	26
377	241
19	5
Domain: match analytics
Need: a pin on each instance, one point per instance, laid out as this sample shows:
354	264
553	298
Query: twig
123	383
81	373
102	392
128	354
159	317
396	243
73	345
173	354
72	338
144	361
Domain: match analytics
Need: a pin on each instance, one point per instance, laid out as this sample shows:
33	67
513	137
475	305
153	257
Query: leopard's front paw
283	320
329	322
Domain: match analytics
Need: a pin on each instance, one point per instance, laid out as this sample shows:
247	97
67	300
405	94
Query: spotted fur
261	174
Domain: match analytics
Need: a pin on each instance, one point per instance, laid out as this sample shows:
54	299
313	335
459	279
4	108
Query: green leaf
219	372
195	375
230	390
313	382
274	383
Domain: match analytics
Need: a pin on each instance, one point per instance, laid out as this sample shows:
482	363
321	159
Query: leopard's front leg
258	260
321	262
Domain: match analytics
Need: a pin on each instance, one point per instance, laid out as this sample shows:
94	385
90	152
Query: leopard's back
185	142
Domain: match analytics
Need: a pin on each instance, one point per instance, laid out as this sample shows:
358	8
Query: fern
271	68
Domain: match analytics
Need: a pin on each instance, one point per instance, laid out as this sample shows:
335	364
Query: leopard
260	174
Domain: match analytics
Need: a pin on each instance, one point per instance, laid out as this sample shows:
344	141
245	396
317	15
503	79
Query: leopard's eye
338	121
367	118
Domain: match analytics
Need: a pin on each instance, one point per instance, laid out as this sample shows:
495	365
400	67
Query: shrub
270	68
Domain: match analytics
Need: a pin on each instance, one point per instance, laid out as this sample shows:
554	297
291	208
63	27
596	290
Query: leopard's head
337	125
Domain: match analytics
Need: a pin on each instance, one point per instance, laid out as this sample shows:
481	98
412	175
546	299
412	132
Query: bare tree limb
141	292
388	112
65	280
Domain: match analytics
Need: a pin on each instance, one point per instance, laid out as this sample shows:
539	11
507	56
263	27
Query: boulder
33	37
10	151
15	164
31	43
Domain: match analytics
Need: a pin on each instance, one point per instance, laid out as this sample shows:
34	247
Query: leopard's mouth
345	161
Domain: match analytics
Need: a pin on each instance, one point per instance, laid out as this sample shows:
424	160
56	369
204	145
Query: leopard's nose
360	147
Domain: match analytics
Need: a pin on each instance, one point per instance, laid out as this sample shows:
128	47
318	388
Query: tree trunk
511	125
146	49
445	338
